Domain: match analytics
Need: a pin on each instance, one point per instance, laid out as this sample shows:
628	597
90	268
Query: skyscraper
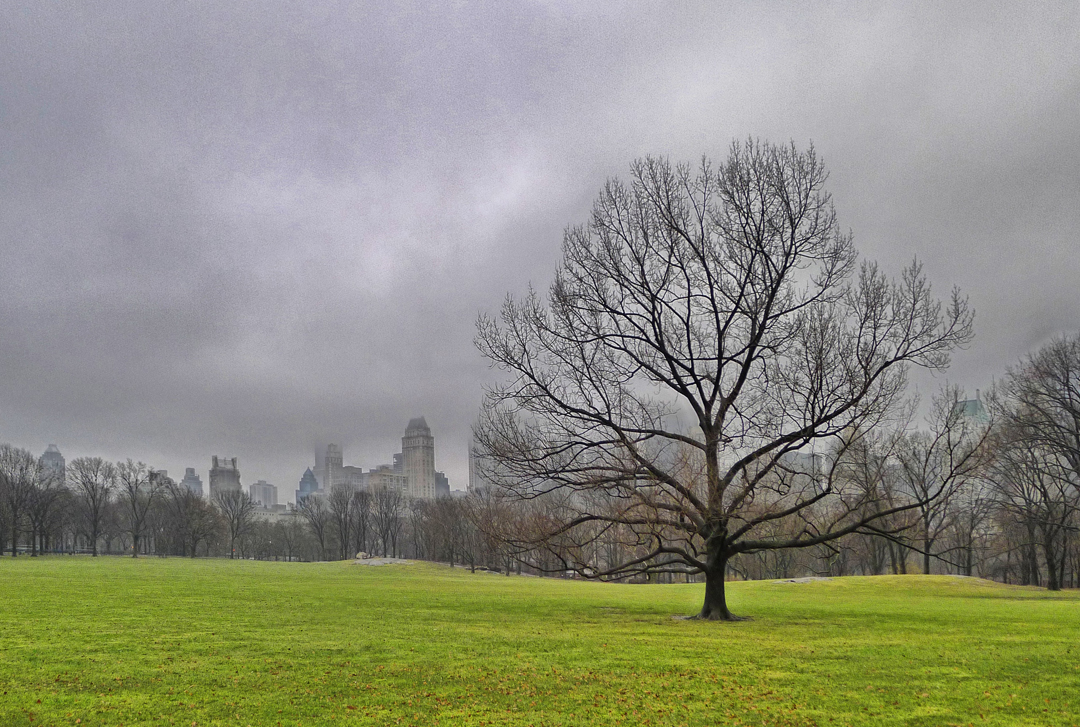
224	475
328	470
263	493
308	485
53	462
192	481
418	459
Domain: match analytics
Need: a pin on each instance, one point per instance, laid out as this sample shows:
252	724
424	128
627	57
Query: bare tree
48	499
139	487
1042	399
238	510
388	507
361	529
341	504
1038	492
189	520
938	463
290	532
716	317
93	481
19	474
1037	459
318	518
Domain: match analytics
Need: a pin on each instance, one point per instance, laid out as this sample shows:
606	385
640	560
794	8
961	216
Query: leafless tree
49	498
19	474
139	488
716	316
189	520
238	510
1038	492
341	504
1042	400
317	516
93	481
387	509
939	463
1036	470
361	510
290	532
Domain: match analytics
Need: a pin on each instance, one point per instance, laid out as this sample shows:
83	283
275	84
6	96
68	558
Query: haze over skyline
246	230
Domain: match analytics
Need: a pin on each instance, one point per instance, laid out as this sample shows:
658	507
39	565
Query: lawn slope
171	641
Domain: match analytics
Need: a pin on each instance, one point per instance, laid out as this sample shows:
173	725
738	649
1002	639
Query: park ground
114	641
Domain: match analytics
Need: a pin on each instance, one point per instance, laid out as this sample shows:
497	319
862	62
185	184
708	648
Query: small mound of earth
805	579
380	561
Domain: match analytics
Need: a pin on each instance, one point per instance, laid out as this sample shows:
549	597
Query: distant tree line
127	508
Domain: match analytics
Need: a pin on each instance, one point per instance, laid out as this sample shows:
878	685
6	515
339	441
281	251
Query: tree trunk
926	549
715	606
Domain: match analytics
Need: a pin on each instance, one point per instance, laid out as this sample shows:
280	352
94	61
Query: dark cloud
243	229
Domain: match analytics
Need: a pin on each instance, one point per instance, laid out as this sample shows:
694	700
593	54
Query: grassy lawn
119	641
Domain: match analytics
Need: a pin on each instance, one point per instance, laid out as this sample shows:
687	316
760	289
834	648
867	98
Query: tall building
53	462
224	475
263	494
328	465
308	485
192	481
418	459
442	485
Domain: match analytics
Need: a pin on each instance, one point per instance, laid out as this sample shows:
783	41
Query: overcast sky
246	228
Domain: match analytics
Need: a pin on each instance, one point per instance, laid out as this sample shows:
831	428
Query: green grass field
119	641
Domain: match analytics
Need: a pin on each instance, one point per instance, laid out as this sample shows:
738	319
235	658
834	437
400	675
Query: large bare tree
706	324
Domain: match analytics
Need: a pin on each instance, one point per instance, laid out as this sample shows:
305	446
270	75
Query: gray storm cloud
242	229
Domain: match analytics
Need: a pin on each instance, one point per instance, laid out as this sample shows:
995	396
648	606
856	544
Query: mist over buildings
251	230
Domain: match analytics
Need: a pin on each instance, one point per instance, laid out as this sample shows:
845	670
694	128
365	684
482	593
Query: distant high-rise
224	475
418	459
263	494
442	485
53	462
192	481
308	485
329	467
